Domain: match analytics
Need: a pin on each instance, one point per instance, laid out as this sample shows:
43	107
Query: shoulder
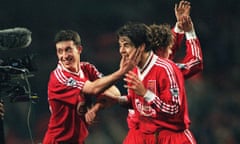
163	62
87	65
167	65
90	69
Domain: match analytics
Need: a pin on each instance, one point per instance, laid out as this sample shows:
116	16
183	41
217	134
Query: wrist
149	96
122	99
97	106
177	29
119	73
190	34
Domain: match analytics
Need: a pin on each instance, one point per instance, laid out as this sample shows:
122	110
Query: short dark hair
66	35
162	36
138	33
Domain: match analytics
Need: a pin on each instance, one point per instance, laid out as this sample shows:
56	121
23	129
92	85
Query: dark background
214	95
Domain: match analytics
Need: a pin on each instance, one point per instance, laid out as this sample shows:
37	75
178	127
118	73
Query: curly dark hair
162	36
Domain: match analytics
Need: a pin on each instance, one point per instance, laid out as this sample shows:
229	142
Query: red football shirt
64	93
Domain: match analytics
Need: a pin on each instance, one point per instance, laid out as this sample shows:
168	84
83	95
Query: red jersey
192	63
165	104
64	93
178	37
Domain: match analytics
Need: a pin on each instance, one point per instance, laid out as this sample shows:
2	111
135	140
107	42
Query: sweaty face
69	55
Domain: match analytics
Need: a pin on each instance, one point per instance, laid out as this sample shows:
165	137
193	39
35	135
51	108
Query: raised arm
181	9
192	63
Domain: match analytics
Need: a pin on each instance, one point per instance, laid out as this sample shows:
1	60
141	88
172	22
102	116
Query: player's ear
142	47
80	48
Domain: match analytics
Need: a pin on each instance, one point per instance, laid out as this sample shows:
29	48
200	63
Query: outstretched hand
182	9
135	84
186	24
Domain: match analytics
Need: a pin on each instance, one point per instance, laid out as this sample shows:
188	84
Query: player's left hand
182	9
90	116
134	83
187	24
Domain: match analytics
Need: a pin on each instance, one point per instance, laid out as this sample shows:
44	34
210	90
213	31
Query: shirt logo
71	82
151	85
175	92
145	109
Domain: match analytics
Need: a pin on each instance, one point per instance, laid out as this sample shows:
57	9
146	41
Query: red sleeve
192	63
64	88
178	38
167	100
90	71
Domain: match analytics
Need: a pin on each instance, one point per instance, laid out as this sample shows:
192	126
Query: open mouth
67	62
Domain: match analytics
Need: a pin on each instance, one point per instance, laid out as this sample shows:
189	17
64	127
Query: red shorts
134	136
50	140
163	137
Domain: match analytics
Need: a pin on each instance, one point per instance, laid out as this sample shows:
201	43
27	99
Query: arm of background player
105	100
100	85
109	97
178	35
181	9
192	63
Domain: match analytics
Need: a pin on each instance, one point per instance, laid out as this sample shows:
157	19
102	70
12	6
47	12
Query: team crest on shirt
151	85
71	82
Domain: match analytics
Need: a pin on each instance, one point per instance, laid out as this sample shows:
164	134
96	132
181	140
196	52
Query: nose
63	55
121	50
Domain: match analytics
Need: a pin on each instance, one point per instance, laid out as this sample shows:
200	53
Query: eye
128	46
68	49
59	51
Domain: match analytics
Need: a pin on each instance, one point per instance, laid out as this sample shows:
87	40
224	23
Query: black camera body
14	79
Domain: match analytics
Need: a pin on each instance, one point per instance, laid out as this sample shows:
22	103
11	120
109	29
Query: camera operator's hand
1	110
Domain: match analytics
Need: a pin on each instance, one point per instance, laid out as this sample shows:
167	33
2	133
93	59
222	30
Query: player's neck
144	59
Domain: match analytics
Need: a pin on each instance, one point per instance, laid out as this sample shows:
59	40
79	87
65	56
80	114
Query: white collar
79	73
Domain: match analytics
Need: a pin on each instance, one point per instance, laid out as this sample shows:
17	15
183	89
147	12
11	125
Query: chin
69	67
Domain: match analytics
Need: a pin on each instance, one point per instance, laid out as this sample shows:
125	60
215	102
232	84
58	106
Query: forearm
170	106
97	106
178	38
193	60
100	85
112	91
